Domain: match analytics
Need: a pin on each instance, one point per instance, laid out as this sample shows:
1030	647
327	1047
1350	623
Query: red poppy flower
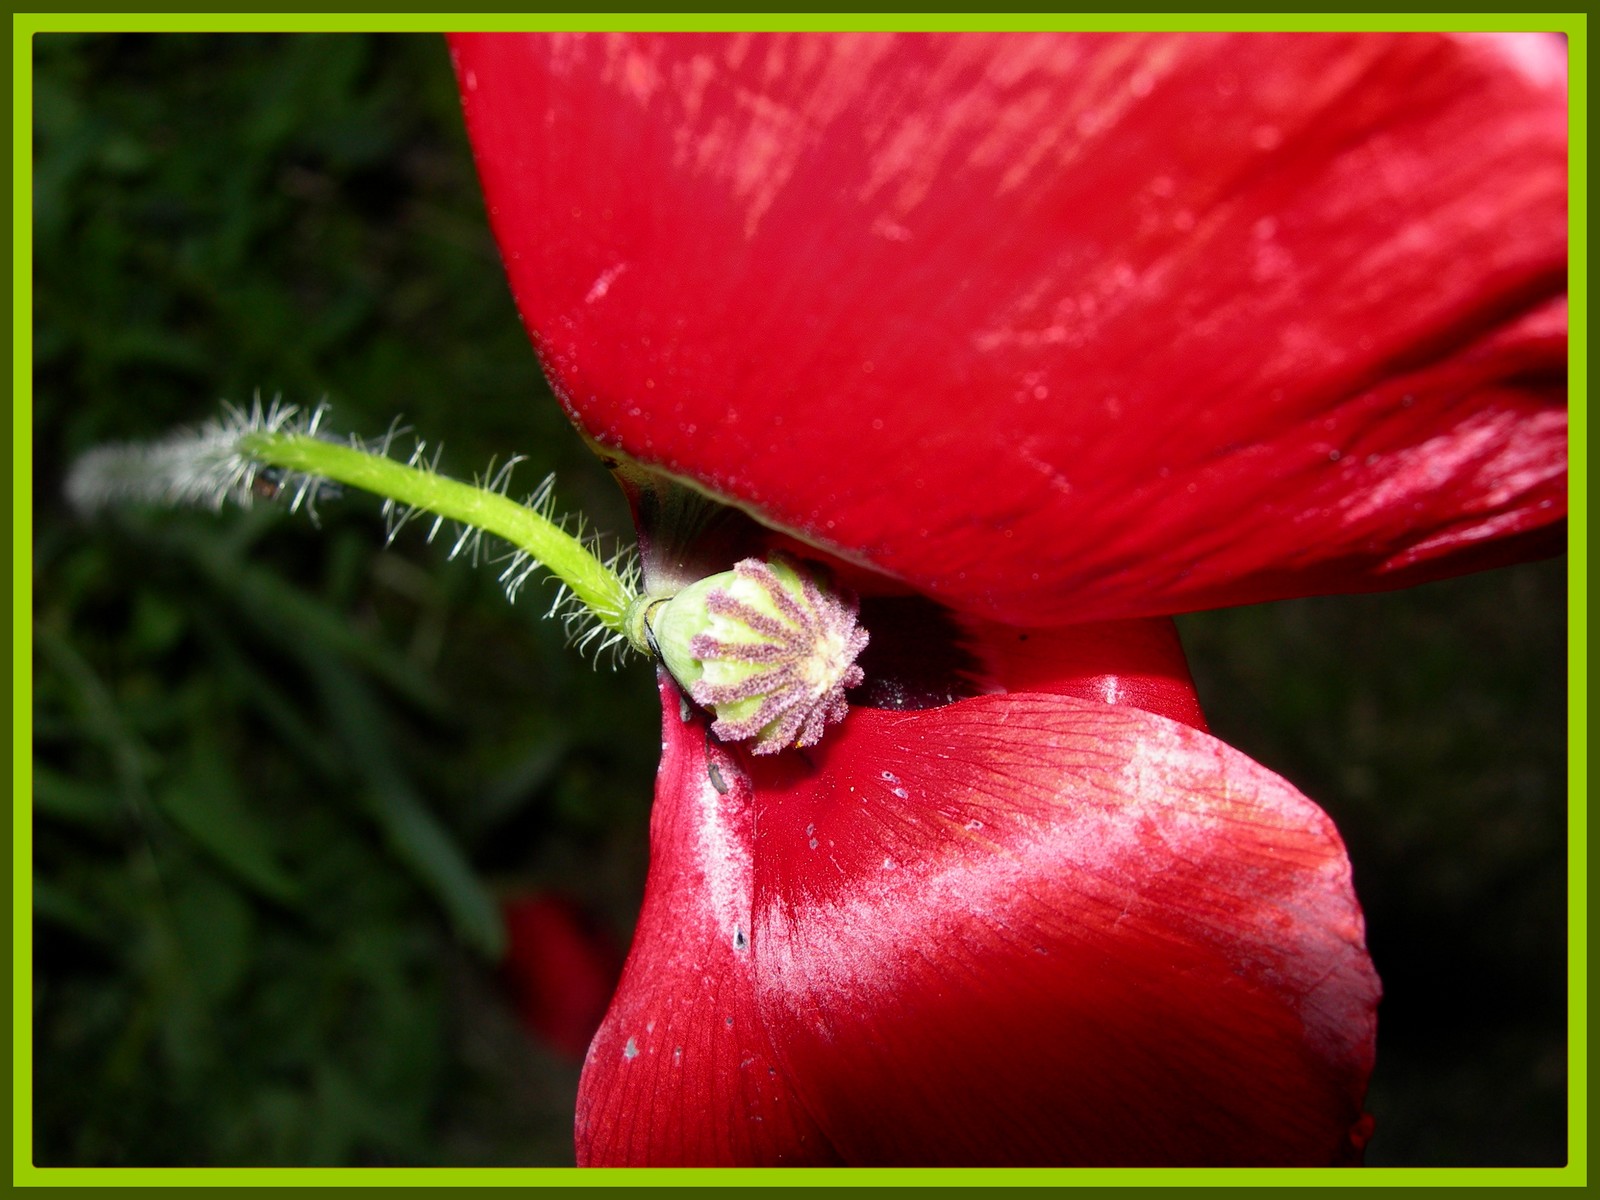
1033	340
559	968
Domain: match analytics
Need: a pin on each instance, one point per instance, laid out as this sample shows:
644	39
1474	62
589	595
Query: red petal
1135	663
1057	328
1020	929
1066	933
681	1071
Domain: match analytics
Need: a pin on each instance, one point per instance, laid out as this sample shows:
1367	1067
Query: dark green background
281	772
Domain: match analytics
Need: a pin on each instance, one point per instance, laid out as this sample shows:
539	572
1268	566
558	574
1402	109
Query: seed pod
765	647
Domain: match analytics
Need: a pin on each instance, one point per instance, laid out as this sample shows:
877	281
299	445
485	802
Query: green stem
595	585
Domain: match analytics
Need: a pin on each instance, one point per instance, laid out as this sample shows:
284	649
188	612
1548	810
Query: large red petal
1058	328
1022	928
1031	929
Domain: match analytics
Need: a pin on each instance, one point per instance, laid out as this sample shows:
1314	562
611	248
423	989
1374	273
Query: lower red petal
1019	929
1028	929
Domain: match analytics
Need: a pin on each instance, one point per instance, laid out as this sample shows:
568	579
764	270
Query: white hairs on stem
586	630
209	466
202	466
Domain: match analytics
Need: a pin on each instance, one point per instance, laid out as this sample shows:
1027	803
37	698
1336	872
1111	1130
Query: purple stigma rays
766	649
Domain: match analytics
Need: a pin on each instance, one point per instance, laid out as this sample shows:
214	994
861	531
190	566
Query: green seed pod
766	649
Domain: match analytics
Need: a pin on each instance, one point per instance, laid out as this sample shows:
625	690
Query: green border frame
24	1173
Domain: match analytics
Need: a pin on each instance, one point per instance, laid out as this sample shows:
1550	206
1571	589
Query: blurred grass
280	773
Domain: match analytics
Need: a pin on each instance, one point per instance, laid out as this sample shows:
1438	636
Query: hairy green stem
600	589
